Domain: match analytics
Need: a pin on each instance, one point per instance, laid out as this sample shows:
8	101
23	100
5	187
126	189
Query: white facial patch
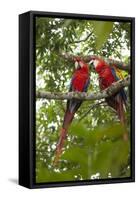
81	64
76	65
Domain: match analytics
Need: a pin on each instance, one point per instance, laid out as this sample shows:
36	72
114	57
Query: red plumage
80	77
79	83
107	76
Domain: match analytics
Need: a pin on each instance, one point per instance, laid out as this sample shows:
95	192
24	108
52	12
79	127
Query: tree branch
115	87
83	40
111	62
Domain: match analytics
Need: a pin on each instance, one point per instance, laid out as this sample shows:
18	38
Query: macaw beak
91	64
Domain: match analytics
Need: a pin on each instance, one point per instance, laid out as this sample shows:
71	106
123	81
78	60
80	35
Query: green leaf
102	31
45	175
107	131
76	154
110	157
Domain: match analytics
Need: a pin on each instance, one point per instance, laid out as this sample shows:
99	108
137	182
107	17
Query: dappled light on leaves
94	148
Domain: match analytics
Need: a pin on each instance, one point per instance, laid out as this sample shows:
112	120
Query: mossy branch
114	88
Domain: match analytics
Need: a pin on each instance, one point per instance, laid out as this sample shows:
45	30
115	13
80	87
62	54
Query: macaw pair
80	82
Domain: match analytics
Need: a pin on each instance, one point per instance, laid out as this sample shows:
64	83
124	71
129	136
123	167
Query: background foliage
94	148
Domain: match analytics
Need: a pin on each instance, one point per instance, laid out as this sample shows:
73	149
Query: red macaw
79	82
107	76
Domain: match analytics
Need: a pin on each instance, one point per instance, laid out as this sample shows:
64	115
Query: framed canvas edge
32	183
24	94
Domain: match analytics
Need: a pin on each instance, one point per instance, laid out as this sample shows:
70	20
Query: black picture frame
27	99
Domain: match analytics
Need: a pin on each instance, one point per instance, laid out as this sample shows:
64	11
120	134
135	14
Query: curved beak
91	64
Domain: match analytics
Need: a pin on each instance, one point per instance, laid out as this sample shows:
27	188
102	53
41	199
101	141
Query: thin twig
92	107
83	40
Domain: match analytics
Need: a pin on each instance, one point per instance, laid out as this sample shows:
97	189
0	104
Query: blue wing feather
71	86
74	104
114	74
86	85
122	91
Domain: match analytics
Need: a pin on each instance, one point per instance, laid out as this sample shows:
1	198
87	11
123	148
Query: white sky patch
52	124
67	84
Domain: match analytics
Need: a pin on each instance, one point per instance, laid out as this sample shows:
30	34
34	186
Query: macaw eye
76	64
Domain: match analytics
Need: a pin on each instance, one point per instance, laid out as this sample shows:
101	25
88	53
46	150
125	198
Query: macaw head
80	64
94	62
97	63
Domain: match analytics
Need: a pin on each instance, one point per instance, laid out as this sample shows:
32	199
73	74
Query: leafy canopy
94	148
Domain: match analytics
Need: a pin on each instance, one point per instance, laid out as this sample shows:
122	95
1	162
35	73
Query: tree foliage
94	148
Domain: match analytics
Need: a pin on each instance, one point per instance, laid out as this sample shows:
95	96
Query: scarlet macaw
107	76
79	82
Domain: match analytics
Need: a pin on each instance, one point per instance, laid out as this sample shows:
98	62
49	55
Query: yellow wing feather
118	73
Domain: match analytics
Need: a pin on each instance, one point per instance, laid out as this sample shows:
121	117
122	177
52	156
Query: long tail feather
63	134
118	104
60	145
68	119
121	116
